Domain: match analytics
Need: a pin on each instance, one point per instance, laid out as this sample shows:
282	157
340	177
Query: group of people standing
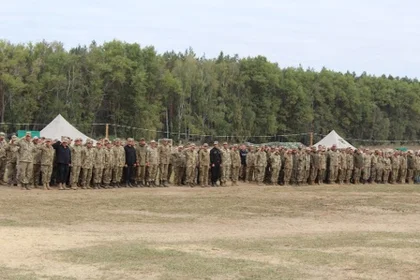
71	164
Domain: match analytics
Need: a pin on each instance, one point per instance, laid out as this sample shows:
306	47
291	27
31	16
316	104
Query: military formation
71	164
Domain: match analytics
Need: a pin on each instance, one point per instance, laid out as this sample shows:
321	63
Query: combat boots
164	184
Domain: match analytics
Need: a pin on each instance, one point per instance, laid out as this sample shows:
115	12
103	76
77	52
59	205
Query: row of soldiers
128	163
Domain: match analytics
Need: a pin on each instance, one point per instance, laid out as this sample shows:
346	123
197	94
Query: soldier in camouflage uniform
142	160
395	166
275	160
387	168
314	165
342	171
322	172
36	169
260	164
358	166
98	165
119	162
164	152
88	156
11	158
374	166
47	160
367	160
411	166
402	175
179	165
76	162
288	167
250	164
300	166
153	160
108	165
236	164
379	167
226	165
204	165
350	165
333	165
26	157
190	163
3	162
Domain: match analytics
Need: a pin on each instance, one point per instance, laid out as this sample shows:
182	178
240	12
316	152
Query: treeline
184	94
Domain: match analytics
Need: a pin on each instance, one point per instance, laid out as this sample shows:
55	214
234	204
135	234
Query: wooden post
106	131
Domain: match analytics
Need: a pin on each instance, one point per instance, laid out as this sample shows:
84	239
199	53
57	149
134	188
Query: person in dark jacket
243	153
63	161
130	162
215	162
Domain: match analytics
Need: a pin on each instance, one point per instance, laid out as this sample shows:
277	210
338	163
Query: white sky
376	36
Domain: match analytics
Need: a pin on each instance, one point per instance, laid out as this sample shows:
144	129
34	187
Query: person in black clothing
63	160
243	152
215	162
130	162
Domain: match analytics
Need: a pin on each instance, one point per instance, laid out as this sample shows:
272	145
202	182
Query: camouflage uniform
250	165
350	166
179	166
3	161
236	165
322	167
164	152
333	166
36	169
153	157
374	167
141	152
314	164
190	162
11	158
204	164
342	172
358	167
275	160
367	160
395	166
403	169
108	165
26	157
411	166
226	166
387	169
260	164
300	164
98	166
76	164
379	168
88	156
47	160
288	167
119	162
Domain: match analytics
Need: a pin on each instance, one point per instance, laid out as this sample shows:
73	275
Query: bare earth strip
245	232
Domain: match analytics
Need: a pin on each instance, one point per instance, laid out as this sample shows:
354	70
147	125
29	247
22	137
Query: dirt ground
245	232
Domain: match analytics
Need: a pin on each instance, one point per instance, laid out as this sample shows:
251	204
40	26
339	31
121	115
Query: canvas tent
334	139
61	127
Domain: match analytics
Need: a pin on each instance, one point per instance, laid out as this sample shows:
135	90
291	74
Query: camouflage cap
78	139
65	140
89	141
48	140
35	138
28	133
2	134
205	145
142	139
216	143
14	137
225	143
153	141
130	139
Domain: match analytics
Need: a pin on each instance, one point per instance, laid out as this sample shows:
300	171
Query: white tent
334	139
61	127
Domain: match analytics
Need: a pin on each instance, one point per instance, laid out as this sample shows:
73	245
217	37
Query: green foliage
181	95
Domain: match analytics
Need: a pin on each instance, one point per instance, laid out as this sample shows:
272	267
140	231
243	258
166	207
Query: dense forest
184	96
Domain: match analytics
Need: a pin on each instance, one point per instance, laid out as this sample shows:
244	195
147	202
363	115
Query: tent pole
311	139
106	130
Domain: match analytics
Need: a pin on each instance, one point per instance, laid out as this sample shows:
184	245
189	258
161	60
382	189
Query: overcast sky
376	36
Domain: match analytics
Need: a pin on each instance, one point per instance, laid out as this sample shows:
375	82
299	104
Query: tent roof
334	139
61	127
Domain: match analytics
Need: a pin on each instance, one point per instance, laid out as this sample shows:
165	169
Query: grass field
245	232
